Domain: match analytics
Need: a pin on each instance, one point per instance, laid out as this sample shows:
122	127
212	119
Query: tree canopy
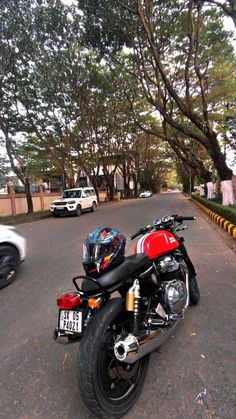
85	85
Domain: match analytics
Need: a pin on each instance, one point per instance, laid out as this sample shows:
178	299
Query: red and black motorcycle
156	285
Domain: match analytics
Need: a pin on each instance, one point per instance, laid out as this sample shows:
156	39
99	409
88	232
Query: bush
229	213
19	189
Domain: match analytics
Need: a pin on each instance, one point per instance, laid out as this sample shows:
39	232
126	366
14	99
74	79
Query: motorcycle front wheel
108	387
194	293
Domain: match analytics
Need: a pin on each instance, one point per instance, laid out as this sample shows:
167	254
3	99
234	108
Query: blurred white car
145	194
12	253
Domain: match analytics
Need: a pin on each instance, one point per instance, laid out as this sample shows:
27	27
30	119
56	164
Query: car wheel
9	261
78	211
94	207
56	215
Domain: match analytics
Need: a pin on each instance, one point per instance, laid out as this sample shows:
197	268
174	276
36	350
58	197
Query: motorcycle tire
108	387
194	293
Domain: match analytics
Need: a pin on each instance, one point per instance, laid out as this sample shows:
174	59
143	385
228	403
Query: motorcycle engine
174	292
175	296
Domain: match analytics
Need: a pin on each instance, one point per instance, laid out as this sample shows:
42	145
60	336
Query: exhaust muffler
129	348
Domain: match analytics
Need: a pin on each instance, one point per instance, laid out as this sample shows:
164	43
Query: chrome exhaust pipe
60	337
129	348
124	346
65	338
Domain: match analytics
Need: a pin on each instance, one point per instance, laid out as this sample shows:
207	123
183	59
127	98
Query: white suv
74	201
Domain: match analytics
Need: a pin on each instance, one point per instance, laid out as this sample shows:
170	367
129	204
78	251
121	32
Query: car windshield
71	194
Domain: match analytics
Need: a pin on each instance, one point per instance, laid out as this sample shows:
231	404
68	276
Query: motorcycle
156	285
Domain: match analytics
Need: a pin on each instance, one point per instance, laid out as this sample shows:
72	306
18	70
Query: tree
4	172
228	7
12	25
174	47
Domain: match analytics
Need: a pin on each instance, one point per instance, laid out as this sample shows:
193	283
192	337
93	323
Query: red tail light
68	300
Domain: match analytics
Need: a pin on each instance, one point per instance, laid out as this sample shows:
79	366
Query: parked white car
75	201
145	194
12	253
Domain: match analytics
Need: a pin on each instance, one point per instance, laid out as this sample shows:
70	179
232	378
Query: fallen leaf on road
202	398
64	360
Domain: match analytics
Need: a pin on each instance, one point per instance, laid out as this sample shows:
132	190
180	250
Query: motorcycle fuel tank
156	244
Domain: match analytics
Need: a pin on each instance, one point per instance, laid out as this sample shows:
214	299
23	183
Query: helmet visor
94	252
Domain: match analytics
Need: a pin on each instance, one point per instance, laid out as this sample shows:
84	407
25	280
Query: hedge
229	213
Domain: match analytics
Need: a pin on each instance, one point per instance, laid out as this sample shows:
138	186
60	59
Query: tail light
69	300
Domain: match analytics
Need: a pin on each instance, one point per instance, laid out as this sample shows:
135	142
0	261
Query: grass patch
24	218
229	213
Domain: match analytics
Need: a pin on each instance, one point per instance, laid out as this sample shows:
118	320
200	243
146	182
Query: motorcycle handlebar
135	235
163	221
180	218
141	231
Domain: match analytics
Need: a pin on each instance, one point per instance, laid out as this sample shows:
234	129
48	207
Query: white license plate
71	321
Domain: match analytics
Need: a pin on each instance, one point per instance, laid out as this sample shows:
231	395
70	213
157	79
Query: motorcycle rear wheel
108	387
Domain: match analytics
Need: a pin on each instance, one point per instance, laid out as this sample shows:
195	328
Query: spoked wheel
109	388
9	261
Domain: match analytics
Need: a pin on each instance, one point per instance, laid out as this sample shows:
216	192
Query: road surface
192	376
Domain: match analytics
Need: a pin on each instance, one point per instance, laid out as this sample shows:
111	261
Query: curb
227	225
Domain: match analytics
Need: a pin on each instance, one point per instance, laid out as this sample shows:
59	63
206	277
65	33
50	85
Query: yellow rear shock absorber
132	303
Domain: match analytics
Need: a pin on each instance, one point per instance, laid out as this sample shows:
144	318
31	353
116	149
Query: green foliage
24	218
4	172
66	110
177	50
229	213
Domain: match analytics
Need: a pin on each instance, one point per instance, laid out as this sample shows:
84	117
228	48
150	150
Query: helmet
103	249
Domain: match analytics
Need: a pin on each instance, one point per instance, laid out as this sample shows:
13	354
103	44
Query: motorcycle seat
130	265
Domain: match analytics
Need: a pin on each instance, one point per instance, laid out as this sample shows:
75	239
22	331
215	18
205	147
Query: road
192	376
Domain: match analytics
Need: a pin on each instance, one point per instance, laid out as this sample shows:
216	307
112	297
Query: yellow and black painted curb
227	225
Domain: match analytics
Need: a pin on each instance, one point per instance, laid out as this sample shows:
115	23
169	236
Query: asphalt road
192	376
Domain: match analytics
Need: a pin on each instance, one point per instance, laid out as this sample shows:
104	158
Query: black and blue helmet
103	249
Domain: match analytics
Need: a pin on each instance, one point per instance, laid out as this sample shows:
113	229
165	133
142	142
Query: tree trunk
110	183
124	175
135	179
225	173
28	197
93	180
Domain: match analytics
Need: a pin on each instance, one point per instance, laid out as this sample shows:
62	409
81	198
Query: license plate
71	321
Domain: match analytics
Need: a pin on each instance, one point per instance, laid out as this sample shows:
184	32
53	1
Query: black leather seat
130	265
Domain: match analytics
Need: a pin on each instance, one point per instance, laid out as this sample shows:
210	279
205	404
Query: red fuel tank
156	244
